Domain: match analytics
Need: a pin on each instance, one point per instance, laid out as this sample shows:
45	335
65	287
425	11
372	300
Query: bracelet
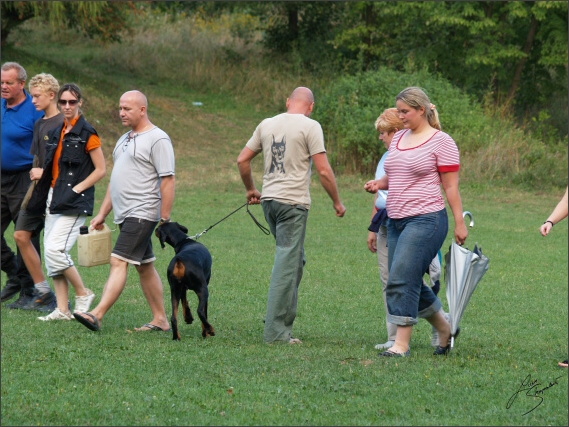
551	222
163	220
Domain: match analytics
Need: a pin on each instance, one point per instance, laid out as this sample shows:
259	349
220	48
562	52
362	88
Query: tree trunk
519	68
293	22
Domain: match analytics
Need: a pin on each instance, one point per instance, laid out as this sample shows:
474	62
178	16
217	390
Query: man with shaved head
290	143
141	195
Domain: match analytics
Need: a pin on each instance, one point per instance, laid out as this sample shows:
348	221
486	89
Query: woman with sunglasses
74	163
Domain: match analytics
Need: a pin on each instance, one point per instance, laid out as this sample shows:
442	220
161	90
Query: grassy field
514	330
515	326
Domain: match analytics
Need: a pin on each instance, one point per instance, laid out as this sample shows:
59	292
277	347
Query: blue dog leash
261	226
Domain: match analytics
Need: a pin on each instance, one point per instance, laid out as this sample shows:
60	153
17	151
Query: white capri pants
60	234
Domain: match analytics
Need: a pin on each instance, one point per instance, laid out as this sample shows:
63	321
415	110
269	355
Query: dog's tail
179	270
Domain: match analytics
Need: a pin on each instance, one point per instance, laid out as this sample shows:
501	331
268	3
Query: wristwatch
163	220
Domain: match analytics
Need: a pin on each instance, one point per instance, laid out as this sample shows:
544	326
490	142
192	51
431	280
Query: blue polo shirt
17	131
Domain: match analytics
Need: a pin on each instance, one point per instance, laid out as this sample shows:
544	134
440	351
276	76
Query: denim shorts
134	243
412	244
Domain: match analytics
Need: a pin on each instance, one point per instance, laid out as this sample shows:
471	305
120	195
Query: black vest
75	165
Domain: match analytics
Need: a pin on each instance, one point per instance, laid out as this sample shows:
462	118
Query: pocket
73	149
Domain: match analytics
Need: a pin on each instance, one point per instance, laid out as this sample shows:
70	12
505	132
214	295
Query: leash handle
261	226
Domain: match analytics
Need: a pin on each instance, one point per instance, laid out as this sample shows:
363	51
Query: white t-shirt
139	162
288	142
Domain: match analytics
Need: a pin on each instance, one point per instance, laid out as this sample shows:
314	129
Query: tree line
509	55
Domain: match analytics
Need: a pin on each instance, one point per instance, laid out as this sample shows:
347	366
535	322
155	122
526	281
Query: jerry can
94	246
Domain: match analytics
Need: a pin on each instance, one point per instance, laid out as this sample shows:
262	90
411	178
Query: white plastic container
94	248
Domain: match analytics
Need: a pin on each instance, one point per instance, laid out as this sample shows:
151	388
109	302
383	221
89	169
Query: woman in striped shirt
421	159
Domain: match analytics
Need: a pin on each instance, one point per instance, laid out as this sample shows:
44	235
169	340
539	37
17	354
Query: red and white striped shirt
413	174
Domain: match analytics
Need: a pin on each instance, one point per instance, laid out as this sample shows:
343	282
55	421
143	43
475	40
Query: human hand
97	222
371	186
253	197
372	241
340	209
545	228
460	233
36	173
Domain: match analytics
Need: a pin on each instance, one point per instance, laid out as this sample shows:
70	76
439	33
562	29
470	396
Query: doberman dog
190	269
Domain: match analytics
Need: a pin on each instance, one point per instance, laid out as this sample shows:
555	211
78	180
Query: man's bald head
133	107
300	101
136	97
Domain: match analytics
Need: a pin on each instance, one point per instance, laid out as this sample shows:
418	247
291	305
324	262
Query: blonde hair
389	121
416	98
45	82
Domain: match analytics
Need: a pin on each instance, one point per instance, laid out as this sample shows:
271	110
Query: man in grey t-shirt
290	143
141	194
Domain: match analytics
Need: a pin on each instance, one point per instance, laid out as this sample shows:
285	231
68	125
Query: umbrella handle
471	218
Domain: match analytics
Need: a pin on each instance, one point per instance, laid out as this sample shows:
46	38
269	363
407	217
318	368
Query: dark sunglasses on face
71	102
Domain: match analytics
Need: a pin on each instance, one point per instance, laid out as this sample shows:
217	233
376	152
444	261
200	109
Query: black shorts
29	222
134	243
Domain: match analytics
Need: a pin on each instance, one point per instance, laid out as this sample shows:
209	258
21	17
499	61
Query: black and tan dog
190	269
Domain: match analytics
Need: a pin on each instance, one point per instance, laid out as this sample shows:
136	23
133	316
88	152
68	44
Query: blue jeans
412	244
288	226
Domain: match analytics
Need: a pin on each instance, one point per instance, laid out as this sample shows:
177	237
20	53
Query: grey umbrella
463	270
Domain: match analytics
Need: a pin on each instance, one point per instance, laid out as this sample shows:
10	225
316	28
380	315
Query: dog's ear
161	235
184	229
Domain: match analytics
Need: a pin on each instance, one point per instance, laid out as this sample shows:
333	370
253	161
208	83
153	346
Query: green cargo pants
288	225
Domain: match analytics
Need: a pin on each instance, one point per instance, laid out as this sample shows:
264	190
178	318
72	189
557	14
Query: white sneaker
56	315
83	303
385	345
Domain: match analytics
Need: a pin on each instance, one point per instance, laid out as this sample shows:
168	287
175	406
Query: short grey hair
22	75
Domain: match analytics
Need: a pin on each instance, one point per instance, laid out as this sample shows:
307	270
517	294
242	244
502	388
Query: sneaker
22	301
83	303
12	288
385	345
42	302
57	315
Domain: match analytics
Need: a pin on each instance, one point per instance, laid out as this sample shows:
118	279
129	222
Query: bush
491	146
348	108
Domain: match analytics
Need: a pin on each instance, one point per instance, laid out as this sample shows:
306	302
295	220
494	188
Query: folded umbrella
463	270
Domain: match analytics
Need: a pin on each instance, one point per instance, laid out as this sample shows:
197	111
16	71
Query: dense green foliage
511	54
231	49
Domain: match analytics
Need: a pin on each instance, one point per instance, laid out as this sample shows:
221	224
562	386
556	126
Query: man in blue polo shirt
18	118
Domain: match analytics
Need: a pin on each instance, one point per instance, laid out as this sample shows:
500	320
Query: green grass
515	325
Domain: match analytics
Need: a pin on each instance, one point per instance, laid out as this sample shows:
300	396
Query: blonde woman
421	159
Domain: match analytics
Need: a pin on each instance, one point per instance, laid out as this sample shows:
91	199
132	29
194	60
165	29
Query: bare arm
106	207
450	186
167	191
244	166
377	184
560	212
328	181
371	236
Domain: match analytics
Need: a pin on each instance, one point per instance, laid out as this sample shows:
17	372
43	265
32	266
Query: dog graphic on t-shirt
277	154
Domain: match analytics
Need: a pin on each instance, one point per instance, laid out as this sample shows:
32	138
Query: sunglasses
71	102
